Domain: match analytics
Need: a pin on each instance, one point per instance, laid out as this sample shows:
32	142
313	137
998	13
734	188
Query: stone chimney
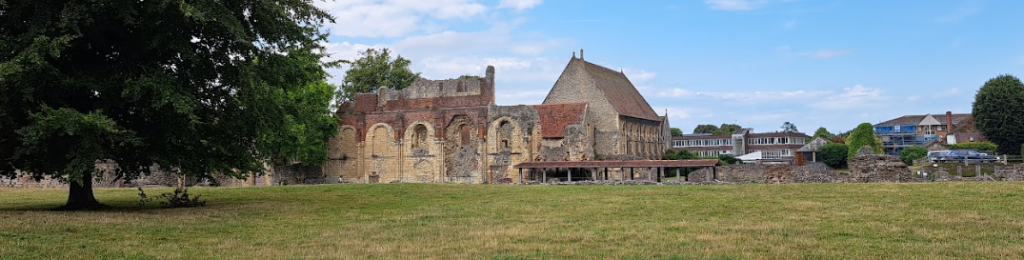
949	122
581	53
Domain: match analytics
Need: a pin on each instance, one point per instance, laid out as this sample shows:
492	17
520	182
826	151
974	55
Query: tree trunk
80	196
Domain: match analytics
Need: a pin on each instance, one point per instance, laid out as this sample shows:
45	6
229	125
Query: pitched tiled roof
965	125
915	119
620	92
967	137
905	120
555	117
813	146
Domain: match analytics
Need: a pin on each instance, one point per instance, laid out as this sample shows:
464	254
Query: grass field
955	220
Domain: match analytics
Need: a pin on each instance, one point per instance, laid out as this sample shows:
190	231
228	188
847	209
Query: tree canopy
823	133
705	129
863	134
676	132
194	86
788	127
997	111
375	69
725	129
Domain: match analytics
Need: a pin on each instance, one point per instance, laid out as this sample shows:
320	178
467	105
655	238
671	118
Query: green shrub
909	154
980	146
728	159
680	155
834	155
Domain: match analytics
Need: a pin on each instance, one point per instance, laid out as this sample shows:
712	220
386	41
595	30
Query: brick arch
347	143
419	134
495	134
379	139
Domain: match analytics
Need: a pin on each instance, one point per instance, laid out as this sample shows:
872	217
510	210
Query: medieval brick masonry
451	130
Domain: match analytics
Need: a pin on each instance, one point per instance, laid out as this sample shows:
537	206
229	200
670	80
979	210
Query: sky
756	63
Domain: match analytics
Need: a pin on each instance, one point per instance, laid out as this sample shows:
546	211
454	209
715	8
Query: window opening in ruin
460	87
419	137
464	134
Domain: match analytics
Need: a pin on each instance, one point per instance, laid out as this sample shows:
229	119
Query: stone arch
460	149
419	151
379	139
502	134
419	135
348	142
505	148
380	153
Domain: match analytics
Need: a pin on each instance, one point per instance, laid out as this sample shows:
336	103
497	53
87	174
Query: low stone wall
879	168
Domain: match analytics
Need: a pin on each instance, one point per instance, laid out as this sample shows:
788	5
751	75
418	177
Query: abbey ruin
451	130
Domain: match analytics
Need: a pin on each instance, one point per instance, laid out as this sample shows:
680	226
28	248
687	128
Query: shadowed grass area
955	220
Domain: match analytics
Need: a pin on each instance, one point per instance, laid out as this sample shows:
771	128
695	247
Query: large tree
375	69
194	86
997	110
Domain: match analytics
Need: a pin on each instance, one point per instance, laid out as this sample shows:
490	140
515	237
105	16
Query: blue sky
757	63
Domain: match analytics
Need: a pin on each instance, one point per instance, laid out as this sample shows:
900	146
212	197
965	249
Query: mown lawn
957	220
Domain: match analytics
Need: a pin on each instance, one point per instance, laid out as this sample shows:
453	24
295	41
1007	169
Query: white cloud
913	98
760	96
537	71
782	48
790	24
519	5
735	5
680	113
639	76
394	18
853	97
828	53
499	38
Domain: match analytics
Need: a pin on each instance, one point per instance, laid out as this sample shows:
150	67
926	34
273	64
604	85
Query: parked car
967	155
936	156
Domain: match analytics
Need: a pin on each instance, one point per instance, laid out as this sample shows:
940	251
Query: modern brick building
771	145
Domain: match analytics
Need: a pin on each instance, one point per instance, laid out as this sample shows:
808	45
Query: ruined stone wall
879	168
513	137
772	173
405	135
817	172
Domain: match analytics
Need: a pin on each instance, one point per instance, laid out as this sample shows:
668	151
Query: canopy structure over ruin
598	170
620	164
